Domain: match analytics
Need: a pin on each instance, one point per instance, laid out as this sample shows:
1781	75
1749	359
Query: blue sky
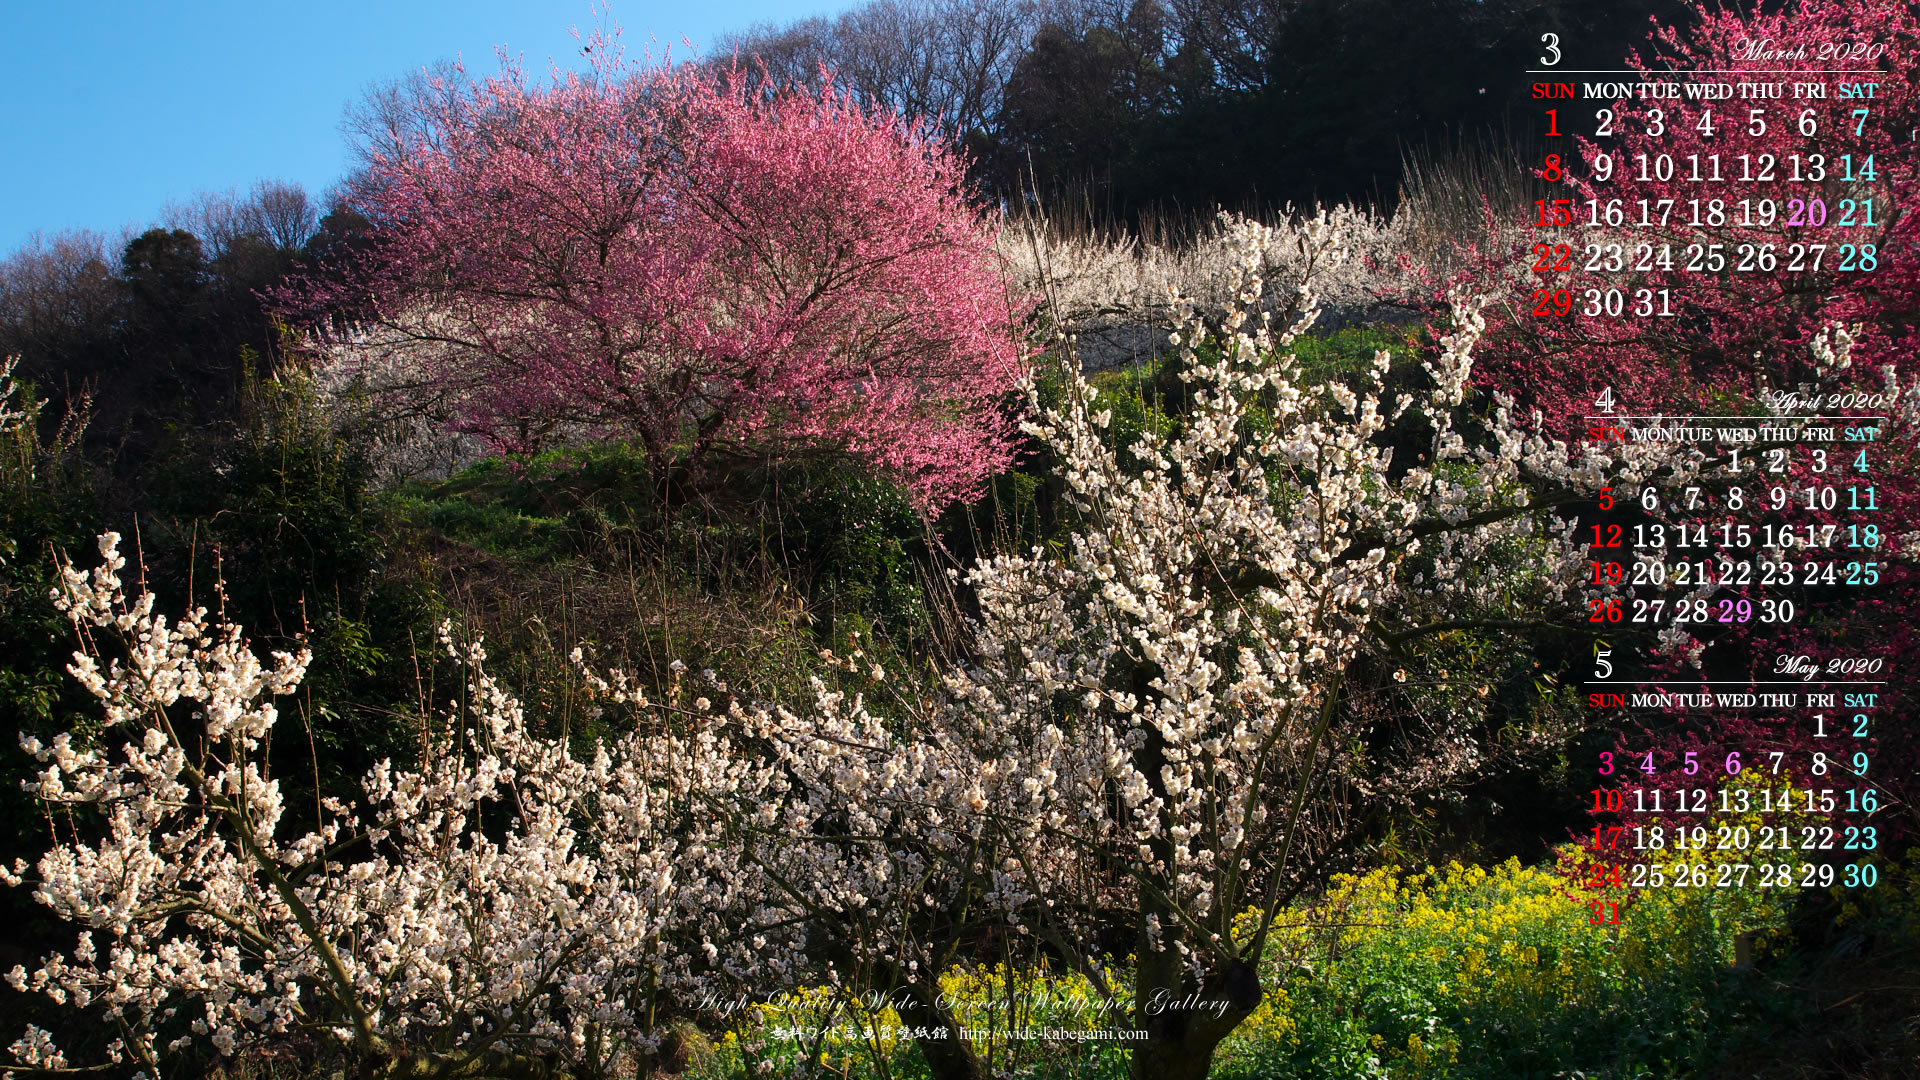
109	109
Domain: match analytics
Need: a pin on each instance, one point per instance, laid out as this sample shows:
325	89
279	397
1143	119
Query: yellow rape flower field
1452	972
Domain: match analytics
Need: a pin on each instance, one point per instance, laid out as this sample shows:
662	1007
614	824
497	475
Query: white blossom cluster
506	899
384	376
1117	293
1832	349
11	414
1150	707
1152	684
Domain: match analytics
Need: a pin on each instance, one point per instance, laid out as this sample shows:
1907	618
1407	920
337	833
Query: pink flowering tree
667	256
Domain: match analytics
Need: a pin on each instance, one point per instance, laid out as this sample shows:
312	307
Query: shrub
1465	971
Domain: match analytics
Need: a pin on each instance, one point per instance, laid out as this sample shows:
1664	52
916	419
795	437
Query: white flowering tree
1170	726
503	910
1175	721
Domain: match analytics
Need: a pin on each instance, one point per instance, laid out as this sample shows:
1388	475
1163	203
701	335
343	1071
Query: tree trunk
1186	1022
1184	1019
948	1058
496	1066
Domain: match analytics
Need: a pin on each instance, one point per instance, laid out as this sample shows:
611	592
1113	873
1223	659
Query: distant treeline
155	327
1185	105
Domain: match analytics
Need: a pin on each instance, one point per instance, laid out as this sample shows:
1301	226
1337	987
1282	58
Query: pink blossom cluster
670	256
